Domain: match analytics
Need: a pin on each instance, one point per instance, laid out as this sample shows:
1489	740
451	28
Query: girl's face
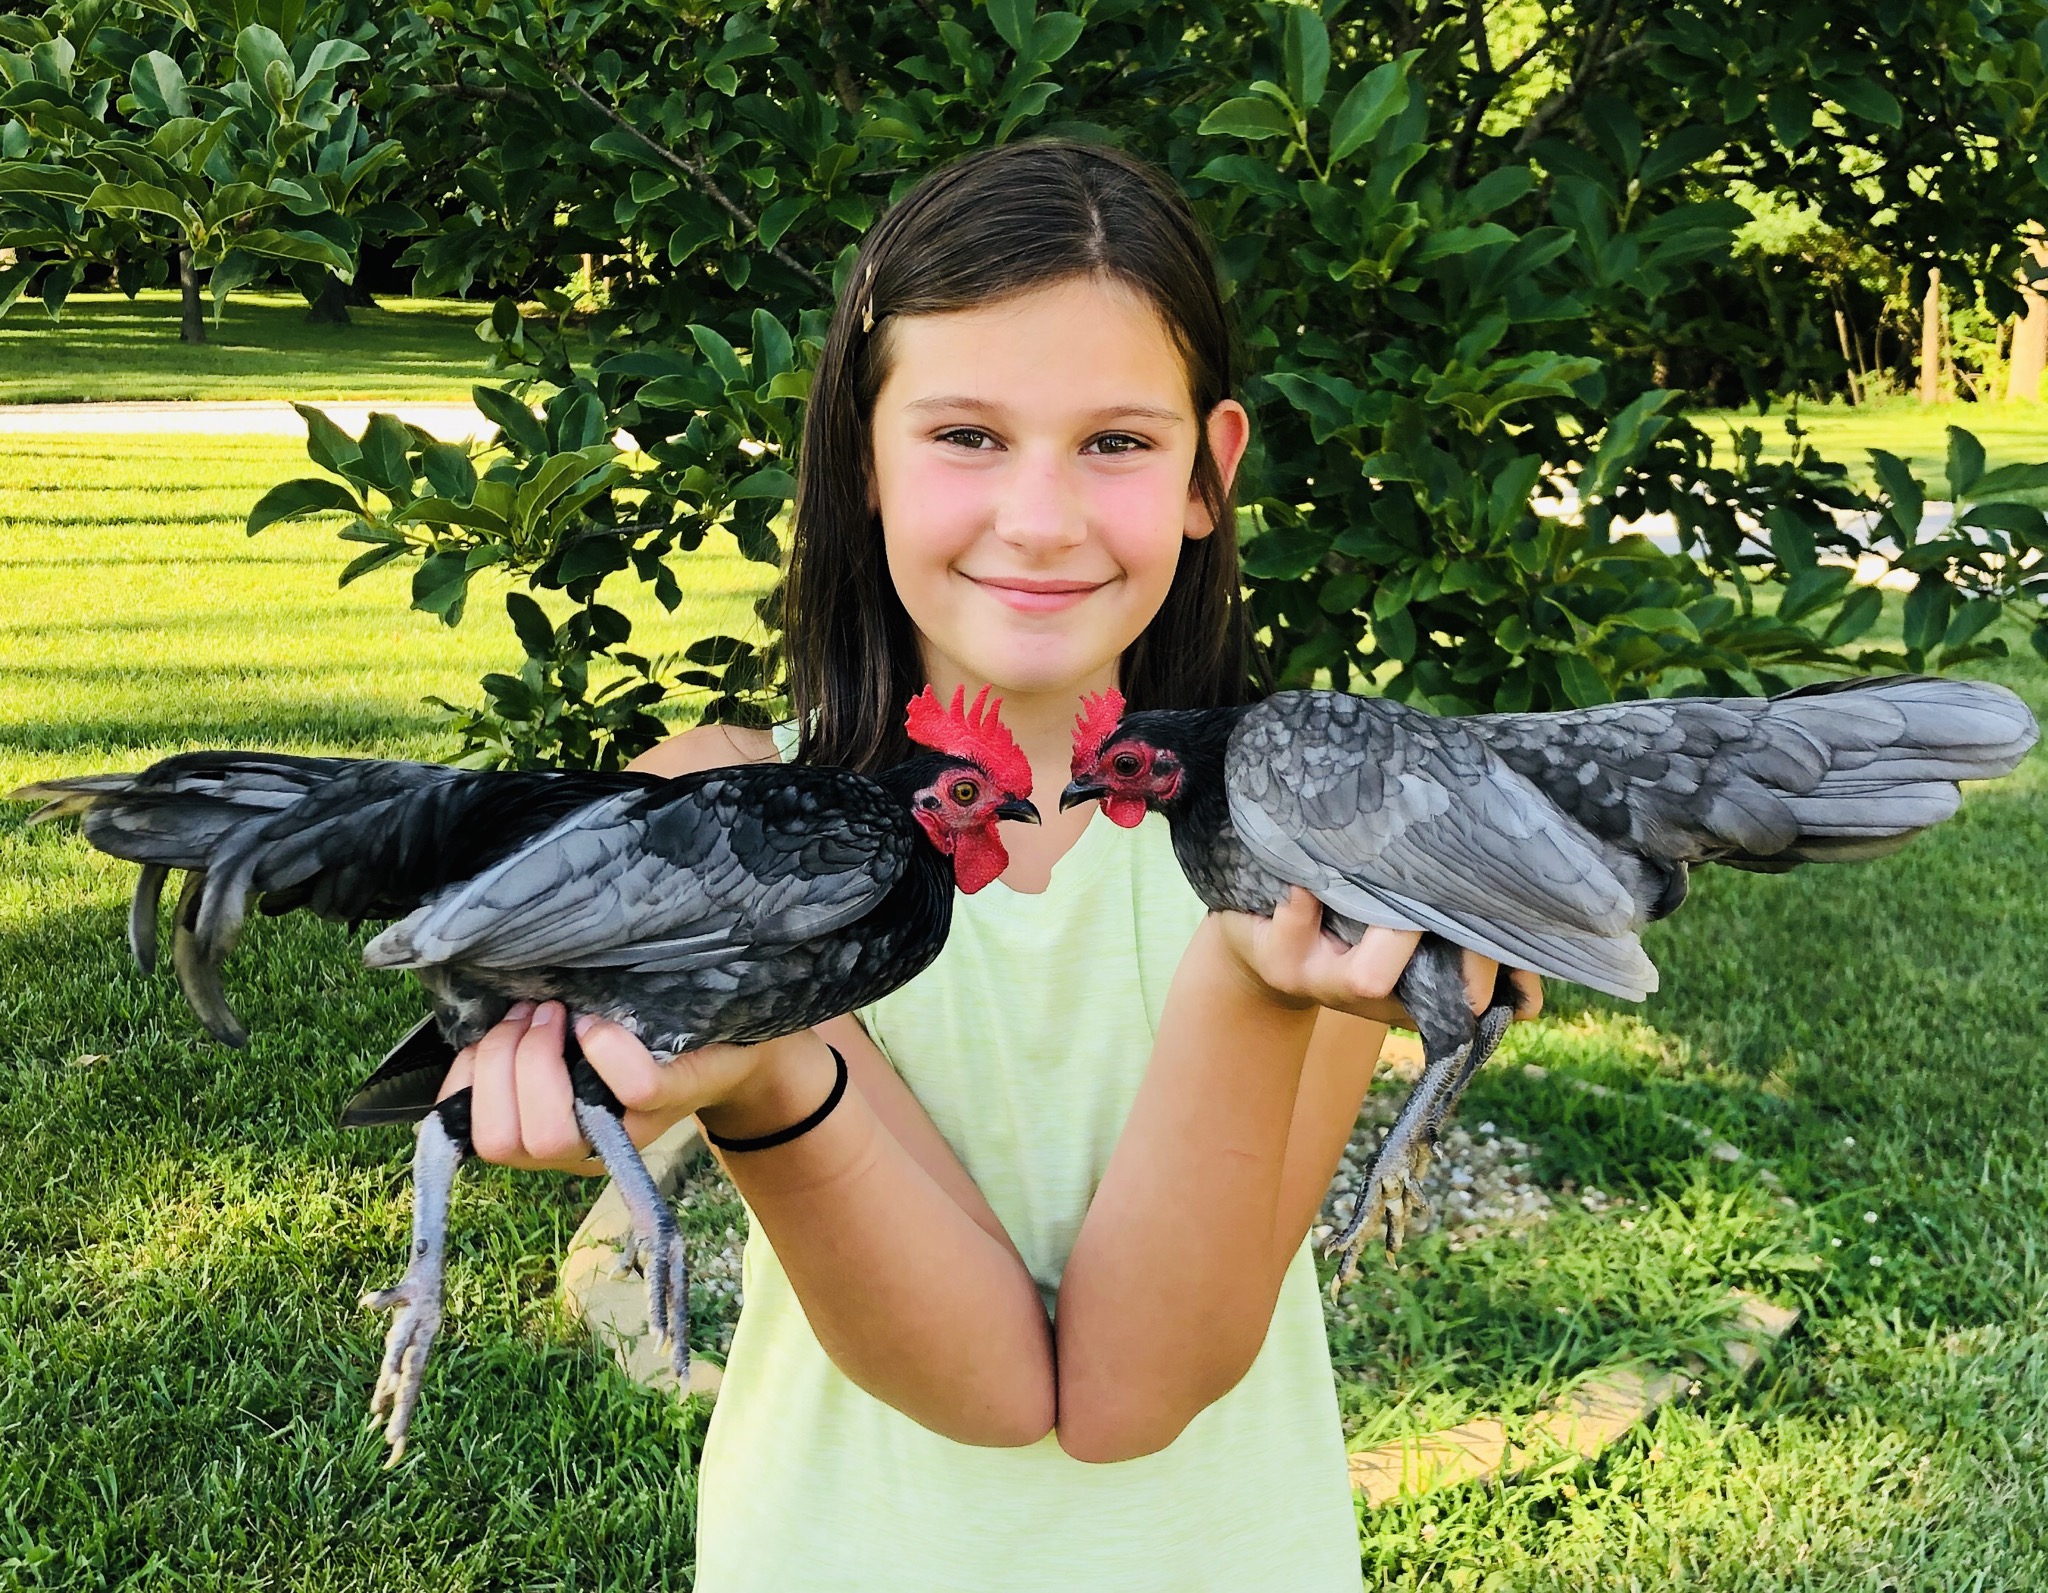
1033	468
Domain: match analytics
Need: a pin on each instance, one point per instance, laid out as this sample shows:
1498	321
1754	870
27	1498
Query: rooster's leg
1454	1047
657	1242
443	1143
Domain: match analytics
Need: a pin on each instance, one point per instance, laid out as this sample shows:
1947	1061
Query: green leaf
329	446
447	511
1971	618
158	83
1861	97
2037	639
151	197
1965	461
292	500
2011	478
511	417
1859	611
14	281
448	470
1582	683
363	563
329	55
1394	634
1250	117
1812	589
51	182
723	356
385	444
772	353
1305	55
257	50
299	244
530	624
1013	19
1053	35
440	584
1377	98
1927	608
771	483
780	216
1908	500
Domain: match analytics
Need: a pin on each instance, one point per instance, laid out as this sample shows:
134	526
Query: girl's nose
1041	507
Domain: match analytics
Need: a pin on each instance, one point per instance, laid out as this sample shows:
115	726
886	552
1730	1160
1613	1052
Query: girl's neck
1043	723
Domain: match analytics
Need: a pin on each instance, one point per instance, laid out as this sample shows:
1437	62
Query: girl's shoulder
707	747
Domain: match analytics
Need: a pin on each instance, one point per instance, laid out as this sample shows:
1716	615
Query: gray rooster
1545	840
738	904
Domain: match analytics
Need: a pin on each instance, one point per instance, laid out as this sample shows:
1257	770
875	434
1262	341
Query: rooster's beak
1017	808
1080	791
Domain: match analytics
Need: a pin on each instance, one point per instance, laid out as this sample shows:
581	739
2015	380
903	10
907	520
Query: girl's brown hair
994	224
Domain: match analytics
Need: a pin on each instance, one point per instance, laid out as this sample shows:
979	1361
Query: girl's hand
523	1113
1297	965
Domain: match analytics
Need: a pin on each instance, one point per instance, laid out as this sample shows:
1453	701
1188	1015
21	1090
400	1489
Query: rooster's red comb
1097	720
977	734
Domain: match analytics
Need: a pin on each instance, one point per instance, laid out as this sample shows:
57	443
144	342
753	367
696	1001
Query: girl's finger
548	1129
640	1083
1291	938
1481	972
1370	970
494	1099
1530	988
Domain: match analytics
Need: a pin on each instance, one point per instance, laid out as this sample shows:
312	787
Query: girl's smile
1029	596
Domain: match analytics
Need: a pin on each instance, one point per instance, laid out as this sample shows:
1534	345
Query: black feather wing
681	878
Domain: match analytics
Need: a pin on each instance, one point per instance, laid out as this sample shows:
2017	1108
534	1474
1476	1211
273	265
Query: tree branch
1591	68
843	84
1461	148
692	170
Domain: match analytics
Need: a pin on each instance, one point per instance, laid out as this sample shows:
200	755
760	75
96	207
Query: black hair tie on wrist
782	1136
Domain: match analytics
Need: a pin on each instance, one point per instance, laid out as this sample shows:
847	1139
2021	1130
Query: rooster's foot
656	1247
417	1296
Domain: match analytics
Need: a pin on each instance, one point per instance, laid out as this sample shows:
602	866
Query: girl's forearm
910	1296
1169	1290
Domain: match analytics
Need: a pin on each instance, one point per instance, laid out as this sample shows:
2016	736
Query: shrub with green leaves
1461	243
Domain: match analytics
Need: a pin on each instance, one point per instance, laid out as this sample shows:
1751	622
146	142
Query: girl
1032	1306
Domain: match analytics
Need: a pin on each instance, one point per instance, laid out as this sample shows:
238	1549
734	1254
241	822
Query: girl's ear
1230	432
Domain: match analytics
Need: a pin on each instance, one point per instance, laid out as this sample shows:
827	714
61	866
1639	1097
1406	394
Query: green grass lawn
109	347
1918	433
184	1232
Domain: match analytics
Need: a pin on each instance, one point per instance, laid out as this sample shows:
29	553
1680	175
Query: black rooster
738	904
1546	840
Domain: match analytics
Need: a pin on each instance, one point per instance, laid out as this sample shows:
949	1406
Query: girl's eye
1120	442
968	437
965	791
1126	764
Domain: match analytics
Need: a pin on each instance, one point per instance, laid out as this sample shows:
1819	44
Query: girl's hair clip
867	316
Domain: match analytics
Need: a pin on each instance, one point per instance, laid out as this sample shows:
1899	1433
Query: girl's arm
904	1272
1250	1097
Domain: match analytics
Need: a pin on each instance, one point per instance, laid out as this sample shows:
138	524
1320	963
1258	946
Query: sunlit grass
2015	433
108	347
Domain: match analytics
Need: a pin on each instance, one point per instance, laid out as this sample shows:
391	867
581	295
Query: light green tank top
1025	1041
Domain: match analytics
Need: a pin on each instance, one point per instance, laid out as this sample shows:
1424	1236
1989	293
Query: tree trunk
1930	340
192	322
2030	335
1849	361
330	306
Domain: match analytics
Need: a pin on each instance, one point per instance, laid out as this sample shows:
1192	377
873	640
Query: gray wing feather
1400	819
603	889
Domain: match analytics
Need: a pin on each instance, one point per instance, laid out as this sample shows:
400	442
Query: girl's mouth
1031	596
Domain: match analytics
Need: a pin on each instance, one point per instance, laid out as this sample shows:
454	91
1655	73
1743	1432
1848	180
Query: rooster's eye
965	791
1127	764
